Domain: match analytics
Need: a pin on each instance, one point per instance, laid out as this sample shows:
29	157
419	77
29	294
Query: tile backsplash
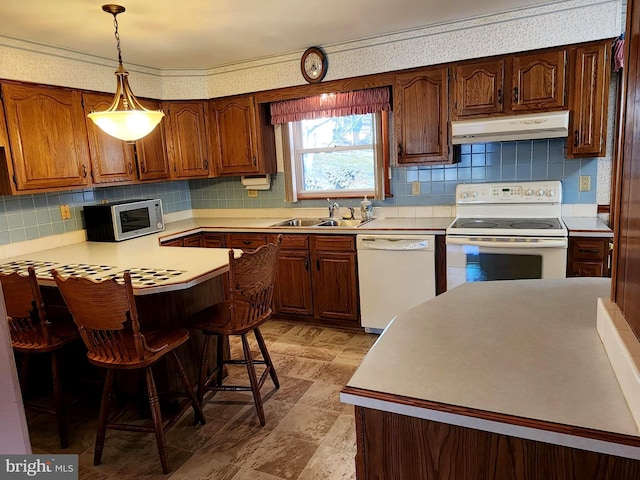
27	217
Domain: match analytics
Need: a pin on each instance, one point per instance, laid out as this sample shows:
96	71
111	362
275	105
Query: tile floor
309	434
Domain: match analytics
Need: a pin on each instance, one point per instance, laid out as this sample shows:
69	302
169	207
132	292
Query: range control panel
519	192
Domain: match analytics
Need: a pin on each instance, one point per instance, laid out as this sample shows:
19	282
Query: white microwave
117	221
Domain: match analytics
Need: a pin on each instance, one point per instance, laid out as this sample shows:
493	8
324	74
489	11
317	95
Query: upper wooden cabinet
589	101
539	81
188	148
509	85
479	88
151	151
421	116
48	137
112	160
242	138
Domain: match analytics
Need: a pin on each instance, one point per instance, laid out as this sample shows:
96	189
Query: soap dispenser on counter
366	209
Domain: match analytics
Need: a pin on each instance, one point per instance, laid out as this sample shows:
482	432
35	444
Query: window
335	156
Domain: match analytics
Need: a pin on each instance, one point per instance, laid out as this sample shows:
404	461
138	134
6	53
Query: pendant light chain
117	35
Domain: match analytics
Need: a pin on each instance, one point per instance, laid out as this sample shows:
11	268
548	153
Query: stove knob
465	194
475	194
551	192
541	192
529	192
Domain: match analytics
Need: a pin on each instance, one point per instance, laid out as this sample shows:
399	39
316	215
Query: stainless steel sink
339	222
298	222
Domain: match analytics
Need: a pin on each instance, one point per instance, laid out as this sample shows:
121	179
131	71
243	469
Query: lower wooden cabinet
589	257
213	240
294	291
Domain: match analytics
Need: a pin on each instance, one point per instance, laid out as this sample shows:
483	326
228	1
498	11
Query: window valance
340	104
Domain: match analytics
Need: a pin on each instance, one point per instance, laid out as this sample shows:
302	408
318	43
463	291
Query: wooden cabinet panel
421	116
335	286
292	242
539	81
151	151
589	101
193	240
248	241
176	242
187	139
293	293
588	257
242	137
479	88
47	131
213	240
112	160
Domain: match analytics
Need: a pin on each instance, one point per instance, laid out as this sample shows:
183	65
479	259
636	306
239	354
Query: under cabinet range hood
514	127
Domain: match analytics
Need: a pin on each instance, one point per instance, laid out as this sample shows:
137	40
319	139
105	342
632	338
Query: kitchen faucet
333	208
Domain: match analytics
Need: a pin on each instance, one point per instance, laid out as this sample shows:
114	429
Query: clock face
313	65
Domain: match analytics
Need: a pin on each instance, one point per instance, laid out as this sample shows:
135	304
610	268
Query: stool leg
204	369
219	360
255	387
24	373
156	416
197	408
58	401
266	357
104	416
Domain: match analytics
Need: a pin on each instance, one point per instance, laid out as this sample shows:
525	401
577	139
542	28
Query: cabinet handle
143	167
318	264
586	250
84	171
500	95
515	94
130	168
206	164
255	162
246	242
399	150
576	138
306	264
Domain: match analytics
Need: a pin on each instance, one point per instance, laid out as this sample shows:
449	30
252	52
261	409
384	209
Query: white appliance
506	231
396	273
514	127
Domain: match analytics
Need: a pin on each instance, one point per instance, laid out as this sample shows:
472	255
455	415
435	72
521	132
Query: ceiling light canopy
125	118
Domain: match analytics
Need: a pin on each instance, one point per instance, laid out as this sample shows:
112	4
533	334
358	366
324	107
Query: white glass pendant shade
125	118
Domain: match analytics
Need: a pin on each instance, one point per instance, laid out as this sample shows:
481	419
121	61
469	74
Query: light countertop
587	226
526	349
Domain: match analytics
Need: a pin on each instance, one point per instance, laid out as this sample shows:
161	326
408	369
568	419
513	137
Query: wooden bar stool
32	333
251	283
107	319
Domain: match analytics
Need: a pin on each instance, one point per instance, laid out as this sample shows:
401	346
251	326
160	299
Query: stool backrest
28	322
106	316
252	279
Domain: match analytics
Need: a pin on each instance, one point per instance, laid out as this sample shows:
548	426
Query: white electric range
507	231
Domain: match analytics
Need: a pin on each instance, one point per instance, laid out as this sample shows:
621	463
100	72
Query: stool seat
218	319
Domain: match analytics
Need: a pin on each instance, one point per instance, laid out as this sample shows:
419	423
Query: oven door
486	258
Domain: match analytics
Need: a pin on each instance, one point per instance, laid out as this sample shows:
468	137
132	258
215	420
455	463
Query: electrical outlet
585	183
65	212
252	193
415	188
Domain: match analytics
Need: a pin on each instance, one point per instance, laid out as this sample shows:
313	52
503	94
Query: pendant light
125	118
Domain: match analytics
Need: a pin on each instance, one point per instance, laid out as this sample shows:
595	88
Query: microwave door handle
507	242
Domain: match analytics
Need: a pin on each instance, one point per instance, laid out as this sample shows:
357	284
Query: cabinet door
151	150
335	286
479	88
188	145
213	240
111	158
421	116
293	293
589	101
193	240
539	81
48	135
234	136
587	269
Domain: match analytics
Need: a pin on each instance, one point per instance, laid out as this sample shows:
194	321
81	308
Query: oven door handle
508	242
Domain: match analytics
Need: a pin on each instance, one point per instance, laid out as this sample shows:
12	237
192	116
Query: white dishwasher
396	273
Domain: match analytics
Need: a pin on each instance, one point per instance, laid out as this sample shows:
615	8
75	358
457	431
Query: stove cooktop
508	223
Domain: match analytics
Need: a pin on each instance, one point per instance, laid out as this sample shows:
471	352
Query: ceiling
170	34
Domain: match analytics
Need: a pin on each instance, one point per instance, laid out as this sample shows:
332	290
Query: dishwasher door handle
393	244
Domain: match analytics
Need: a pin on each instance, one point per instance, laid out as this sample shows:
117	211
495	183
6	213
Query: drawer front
292	242
248	241
192	240
213	240
334	243
589	249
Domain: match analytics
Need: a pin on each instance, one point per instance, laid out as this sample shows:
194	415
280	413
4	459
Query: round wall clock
313	65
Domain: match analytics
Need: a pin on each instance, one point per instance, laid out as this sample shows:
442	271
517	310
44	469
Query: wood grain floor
309	434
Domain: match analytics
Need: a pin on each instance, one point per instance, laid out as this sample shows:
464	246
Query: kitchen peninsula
503	377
